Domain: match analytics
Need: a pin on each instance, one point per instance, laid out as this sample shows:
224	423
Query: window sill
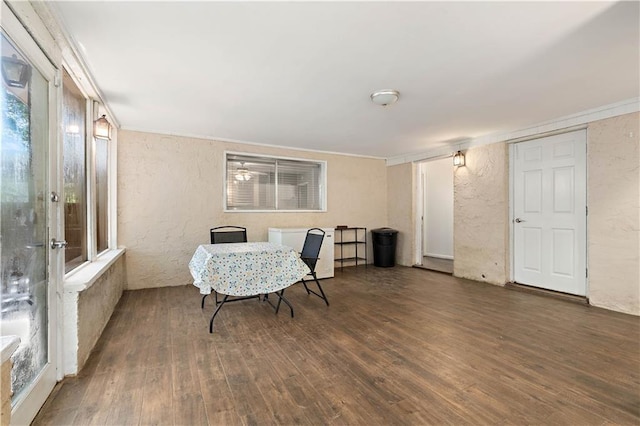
9	345
85	276
273	211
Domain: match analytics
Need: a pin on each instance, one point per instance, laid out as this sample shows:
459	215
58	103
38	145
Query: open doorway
437	215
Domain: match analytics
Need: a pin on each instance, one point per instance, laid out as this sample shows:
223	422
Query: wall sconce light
15	72
458	159
102	128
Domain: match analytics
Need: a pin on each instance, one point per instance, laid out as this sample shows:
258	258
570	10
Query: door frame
26	408
420	201
419	214
512	143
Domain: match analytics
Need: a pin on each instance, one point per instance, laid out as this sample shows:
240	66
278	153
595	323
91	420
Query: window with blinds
261	183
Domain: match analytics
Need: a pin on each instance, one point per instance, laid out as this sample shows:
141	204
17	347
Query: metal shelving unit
359	243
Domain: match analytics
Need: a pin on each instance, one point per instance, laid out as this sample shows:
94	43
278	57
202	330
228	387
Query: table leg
216	312
281	298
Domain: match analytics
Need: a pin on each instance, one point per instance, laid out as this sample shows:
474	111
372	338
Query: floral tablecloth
245	269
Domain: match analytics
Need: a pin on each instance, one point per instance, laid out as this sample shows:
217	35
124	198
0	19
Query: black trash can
384	246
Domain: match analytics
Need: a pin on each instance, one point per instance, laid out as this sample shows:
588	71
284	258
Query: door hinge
586	272
56	79
586	208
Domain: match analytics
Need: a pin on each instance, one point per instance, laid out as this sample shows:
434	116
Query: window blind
268	183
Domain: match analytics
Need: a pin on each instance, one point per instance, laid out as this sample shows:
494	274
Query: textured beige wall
5	393
481	209
481	233
170	193
401	206
95	306
613	227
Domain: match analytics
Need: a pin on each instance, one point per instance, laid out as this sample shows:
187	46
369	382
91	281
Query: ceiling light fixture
458	159
243	174
385	97
102	128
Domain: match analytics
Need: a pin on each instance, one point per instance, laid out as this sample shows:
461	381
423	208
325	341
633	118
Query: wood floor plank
285	386
70	393
248	399
95	406
189	410
126	406
224	418
396	346
65	416
157	397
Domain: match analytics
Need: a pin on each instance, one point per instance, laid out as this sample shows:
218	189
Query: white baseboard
439	256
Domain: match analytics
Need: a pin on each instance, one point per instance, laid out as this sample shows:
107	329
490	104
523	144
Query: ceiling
299	74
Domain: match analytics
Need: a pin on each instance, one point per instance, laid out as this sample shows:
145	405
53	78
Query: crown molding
570	121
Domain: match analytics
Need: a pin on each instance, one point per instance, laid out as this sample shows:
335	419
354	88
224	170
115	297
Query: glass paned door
24	198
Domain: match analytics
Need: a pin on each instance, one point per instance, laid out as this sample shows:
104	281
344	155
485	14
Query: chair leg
321	295
226	296
324	297
305	286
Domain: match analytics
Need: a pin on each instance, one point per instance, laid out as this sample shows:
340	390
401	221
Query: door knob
58	244
518	220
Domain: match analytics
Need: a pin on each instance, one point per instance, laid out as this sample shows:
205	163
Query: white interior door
549	211
29	268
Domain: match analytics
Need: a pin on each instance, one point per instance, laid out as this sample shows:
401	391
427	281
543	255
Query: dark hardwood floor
396	346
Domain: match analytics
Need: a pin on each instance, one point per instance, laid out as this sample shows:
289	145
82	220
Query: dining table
245	270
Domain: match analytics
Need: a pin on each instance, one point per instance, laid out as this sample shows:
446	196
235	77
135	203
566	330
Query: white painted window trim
42	21
323	183
84	276
93	110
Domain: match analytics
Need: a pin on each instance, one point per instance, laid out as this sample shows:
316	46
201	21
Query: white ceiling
299	74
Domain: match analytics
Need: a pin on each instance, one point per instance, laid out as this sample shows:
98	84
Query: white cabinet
294	237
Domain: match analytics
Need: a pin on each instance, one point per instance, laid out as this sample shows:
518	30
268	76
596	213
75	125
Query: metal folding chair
228	234
222	235
310	255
